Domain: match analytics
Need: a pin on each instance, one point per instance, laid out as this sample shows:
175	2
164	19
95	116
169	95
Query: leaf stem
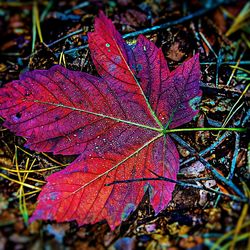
203	129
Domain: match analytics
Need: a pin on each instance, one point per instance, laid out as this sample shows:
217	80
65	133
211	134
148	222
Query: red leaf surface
116	123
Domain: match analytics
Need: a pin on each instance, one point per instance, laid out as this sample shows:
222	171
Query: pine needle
241	20
241	219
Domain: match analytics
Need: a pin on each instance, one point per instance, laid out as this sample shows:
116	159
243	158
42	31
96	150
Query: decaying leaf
117	123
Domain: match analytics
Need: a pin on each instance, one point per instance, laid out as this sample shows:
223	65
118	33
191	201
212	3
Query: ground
37	35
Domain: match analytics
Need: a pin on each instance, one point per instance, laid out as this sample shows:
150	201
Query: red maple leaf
117	123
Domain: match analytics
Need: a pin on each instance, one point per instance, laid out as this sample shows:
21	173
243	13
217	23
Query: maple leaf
117	123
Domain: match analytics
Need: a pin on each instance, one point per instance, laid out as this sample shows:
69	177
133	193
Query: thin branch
181	20
180	183
216	174
208	149
235	155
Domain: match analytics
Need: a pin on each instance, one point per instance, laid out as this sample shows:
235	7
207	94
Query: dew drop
107	45
28	93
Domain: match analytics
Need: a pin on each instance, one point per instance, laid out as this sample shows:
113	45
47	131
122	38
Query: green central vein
120	163
139	86
160	130
100	115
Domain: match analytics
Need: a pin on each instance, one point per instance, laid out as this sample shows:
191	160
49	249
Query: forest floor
37	35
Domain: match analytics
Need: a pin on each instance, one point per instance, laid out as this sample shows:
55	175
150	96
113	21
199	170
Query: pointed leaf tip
116	131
